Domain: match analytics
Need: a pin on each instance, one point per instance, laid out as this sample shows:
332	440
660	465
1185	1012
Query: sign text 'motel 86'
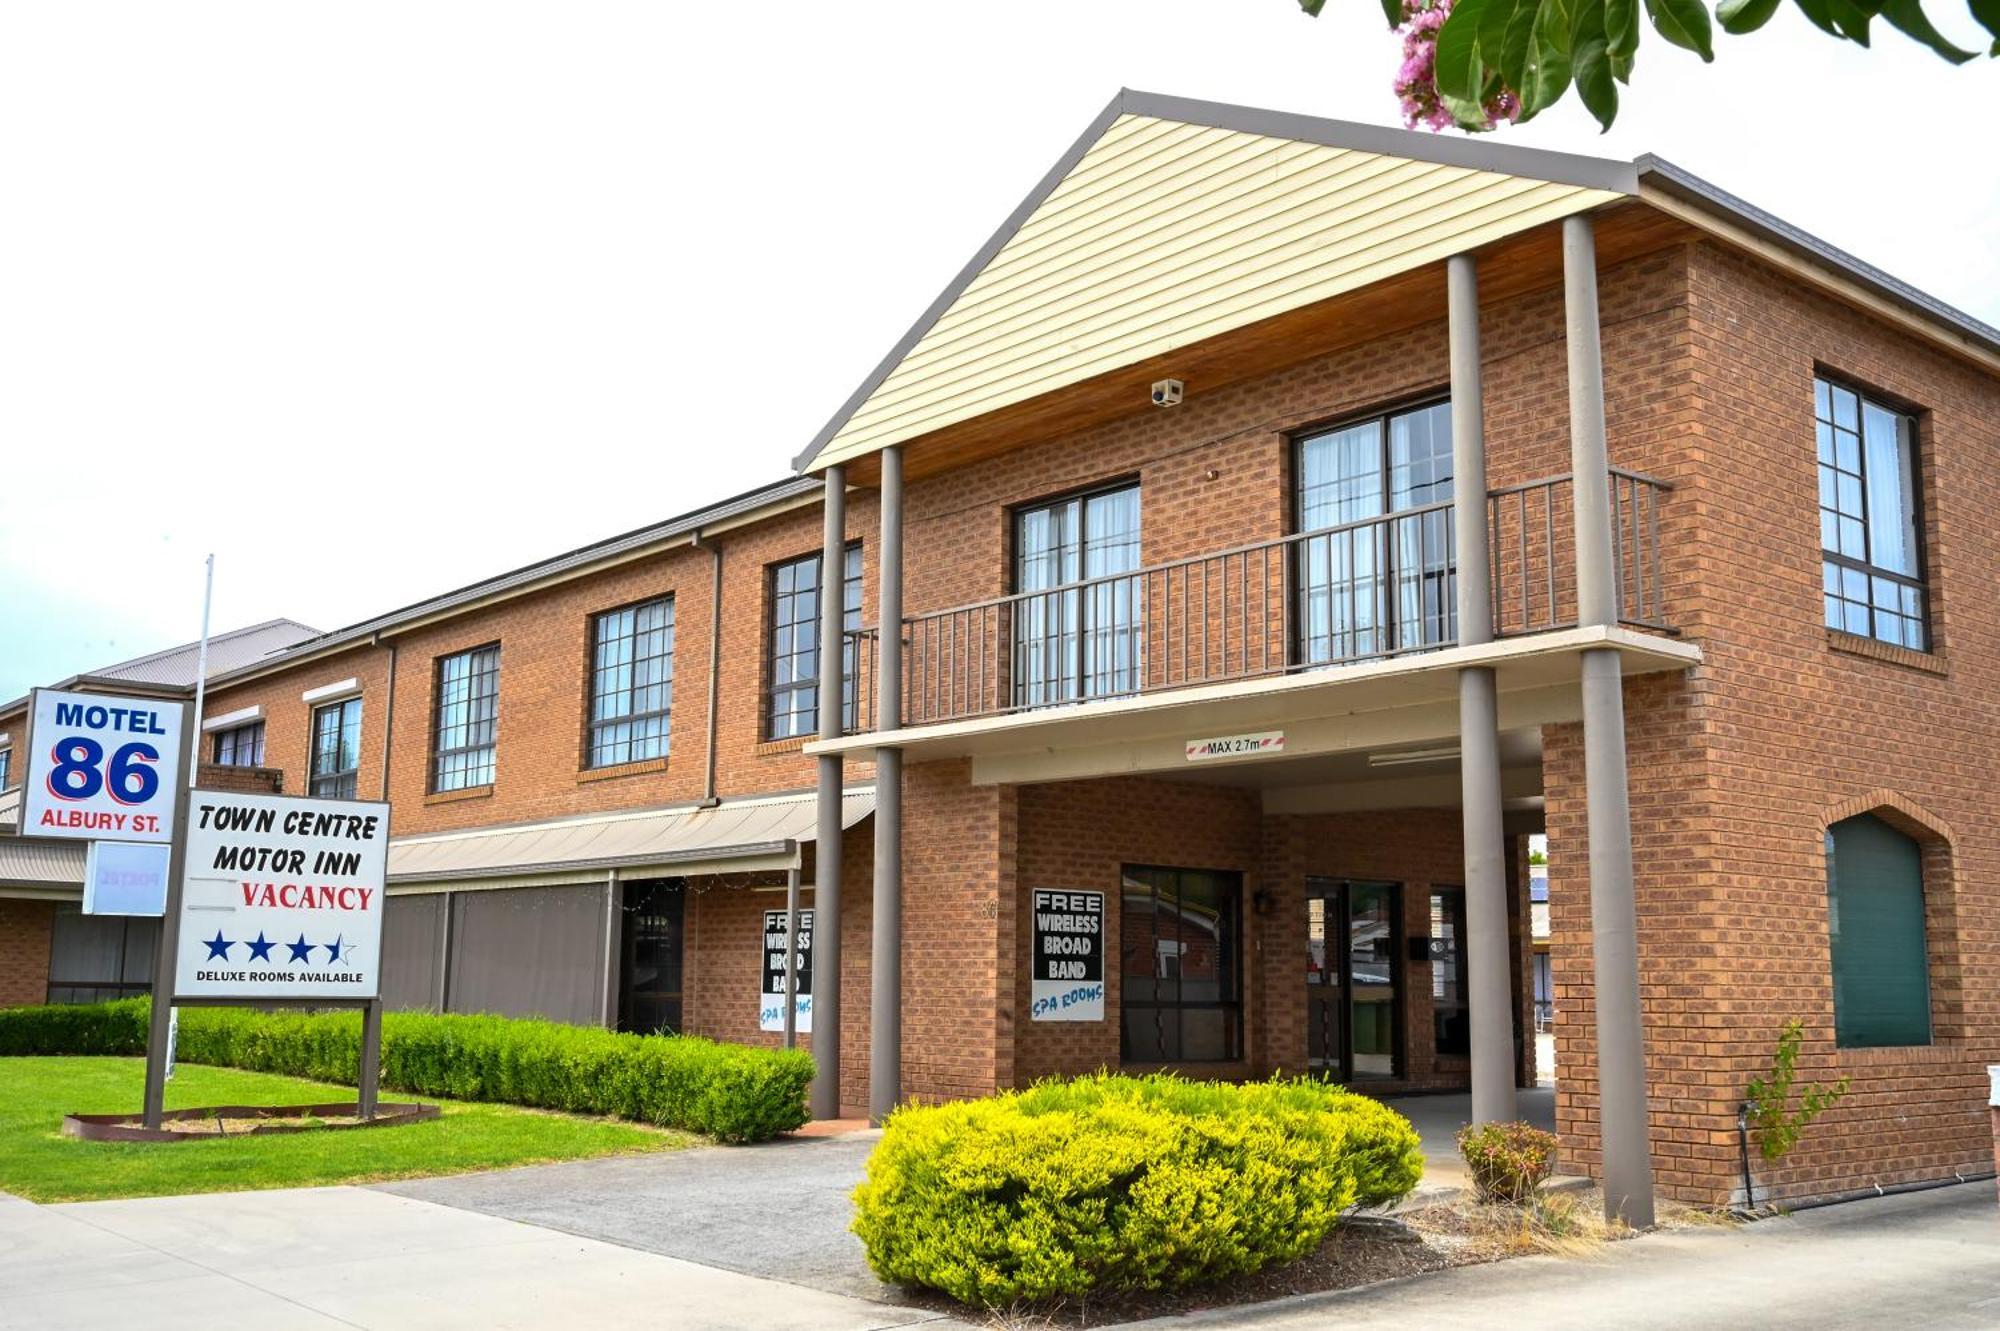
102	768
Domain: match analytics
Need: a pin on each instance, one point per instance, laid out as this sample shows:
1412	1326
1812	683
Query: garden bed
240	1121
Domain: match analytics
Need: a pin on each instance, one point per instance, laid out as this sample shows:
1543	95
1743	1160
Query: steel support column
1489	963
828	834
1621	1055
885	1008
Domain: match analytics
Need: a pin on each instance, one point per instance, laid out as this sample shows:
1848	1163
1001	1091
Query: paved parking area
357	1257
779	1210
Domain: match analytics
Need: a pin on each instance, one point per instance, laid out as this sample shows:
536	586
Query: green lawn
39	1163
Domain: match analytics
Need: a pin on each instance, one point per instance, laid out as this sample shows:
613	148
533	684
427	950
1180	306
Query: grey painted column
827	836
1489	965
1614	944
885	1008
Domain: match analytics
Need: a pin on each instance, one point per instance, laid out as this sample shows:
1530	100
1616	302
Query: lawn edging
733	1093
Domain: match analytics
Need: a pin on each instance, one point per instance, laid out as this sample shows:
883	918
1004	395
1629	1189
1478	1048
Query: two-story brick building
1227	507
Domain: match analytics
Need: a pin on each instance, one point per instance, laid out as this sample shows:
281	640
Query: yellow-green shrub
1109	1182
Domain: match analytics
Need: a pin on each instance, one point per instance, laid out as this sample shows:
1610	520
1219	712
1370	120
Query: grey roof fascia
750	501
1685	184
1474	154
1564	168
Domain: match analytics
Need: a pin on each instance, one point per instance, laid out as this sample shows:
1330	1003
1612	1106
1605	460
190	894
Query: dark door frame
1340	961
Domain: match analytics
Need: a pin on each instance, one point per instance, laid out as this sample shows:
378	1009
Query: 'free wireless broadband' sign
102	768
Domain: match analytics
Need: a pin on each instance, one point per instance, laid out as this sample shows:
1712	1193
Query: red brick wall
27	929
1079	835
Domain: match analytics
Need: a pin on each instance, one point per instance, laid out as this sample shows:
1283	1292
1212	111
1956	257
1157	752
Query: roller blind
1881	970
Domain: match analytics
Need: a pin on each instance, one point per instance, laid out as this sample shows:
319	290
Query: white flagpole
194	763
201	670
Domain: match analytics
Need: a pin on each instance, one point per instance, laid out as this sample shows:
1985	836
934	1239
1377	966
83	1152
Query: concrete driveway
778	1210
1929	1259
329	1258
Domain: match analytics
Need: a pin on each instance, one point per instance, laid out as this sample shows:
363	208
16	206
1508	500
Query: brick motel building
1279	521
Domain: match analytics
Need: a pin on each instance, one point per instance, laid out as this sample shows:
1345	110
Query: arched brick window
1877	927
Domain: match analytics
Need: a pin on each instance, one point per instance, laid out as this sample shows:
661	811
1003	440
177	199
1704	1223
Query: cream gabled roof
1171	221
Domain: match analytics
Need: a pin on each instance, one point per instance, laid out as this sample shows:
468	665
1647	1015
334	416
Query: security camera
1167	392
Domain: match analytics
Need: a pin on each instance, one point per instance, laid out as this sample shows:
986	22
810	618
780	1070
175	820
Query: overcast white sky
376	300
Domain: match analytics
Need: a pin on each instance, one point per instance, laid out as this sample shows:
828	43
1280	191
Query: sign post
108	768
160	1032
281	901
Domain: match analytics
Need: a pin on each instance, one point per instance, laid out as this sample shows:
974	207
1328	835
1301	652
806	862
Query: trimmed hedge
1122	1183
731	1092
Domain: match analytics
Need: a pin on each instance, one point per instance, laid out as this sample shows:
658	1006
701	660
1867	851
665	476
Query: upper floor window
1875	922
1380	578
240	746
795	591
336	749
6	768
1078	641
631	683
1869	530
467	715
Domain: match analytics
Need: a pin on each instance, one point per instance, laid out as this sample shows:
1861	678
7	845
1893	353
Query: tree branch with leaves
1479	63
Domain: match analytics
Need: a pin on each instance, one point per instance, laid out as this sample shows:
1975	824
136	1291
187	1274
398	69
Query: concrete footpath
356	1257
1929	1259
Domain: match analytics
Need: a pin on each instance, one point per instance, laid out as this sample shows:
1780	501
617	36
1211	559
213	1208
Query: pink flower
1416	79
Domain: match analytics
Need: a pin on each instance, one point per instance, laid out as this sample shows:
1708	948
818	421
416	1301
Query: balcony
1373	590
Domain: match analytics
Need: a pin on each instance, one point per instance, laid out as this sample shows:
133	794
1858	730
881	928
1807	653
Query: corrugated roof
10	809
680	841
40	863
175	666
683	841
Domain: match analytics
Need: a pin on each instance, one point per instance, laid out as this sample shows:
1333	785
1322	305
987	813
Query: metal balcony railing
1358	591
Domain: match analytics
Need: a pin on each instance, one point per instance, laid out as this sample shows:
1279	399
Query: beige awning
10	809
41	867
736	836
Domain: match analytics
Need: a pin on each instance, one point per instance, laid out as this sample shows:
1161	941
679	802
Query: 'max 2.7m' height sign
102	768
282	898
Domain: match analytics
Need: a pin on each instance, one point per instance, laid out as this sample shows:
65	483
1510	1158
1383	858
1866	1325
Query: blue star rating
218	946
301	950
259	950
333	950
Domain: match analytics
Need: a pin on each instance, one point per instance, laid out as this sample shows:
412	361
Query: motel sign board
102	767
282	898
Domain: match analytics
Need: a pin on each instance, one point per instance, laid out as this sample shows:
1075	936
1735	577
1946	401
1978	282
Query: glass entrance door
1353	982
649	994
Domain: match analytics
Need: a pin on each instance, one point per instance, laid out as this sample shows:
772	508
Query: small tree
1478	63
1777	1125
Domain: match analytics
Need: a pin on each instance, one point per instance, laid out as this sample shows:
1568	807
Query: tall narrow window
1180	941
793	705
6	768
631	683
1875	920
466	719
336	749
1078	629
1380	578
1872	568
1451	1016
240	746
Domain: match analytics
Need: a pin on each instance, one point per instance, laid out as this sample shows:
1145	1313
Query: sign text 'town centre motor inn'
282	898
